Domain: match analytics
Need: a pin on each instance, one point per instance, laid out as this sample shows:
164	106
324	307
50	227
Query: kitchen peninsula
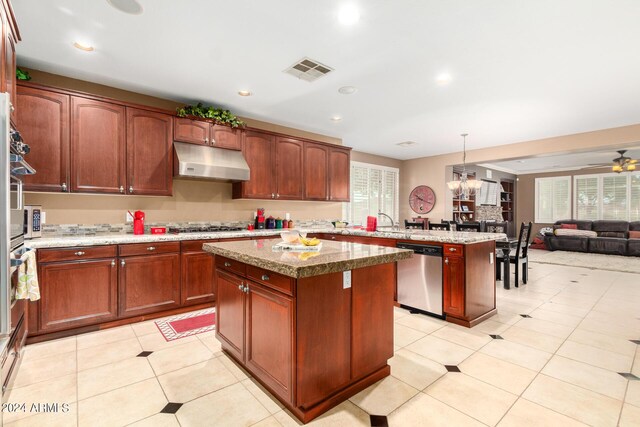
315	328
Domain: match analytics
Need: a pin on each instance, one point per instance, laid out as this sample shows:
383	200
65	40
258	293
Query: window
608	196
373	189
553	199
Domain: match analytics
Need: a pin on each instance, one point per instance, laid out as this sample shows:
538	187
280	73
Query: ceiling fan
619	164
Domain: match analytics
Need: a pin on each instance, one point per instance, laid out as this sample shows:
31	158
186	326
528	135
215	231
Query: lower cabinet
454	284
197	282
77	293
230	308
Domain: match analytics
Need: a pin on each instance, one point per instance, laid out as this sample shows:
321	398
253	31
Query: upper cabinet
10	36
258	152
43	120
316	171
149	153
339	170
205	133
289	157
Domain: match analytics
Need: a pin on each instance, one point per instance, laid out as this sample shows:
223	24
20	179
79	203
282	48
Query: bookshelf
507	202
464	209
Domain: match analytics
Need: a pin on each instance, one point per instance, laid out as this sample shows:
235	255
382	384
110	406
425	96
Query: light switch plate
346	279
43	218
490	257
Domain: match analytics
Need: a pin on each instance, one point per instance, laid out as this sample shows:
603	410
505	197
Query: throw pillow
577	233
617	234
634	234
569	226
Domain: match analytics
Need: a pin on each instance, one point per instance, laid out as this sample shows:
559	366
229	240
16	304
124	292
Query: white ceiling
562	162
521	69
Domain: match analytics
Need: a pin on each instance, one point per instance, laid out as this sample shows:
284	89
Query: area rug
586	260
185	325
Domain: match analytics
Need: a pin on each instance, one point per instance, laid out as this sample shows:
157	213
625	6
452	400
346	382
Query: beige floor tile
265	398
233	367
122	406
403	335
534	339
608	328
158	420
466	337
344	415
178	357
104	337
268	422
209	339
566	309
595	356
421	323
504	375
230	406
527	357
556	317
576	402
384	396
475	398
415	370
145	328
440	350
490	327
587	376
49	348
45	368
399	313
545	327
506	317
604	342
424	410
633	393
528	414
112	376
63	416
630	416
99	355
60	390
157	342
196	380
636	364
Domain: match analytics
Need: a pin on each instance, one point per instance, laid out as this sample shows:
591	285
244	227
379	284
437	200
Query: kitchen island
314	328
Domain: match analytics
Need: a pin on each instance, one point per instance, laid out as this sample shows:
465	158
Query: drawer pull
265	277
151	248
227	264
79	253
452	249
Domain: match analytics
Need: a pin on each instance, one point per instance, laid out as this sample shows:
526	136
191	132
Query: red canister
138	222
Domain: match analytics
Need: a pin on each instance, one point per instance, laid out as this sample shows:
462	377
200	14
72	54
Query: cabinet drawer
271	279
151	248
453	250
78	253
194	245
230	265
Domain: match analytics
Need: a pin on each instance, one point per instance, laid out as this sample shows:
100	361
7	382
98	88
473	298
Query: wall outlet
346	279
43	218
128	218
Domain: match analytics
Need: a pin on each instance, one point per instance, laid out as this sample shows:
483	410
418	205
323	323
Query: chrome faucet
393	224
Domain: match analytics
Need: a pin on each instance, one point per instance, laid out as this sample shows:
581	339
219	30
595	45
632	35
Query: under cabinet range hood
205	162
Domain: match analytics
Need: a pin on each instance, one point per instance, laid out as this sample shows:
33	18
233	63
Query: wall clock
422	199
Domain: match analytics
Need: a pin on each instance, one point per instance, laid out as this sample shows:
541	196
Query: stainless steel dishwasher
420	279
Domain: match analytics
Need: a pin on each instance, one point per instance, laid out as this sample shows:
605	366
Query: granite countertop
332	258
115	239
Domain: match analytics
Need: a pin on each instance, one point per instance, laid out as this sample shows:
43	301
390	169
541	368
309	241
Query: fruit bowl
290	236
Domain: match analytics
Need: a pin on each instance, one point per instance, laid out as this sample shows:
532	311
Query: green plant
22	75
218	115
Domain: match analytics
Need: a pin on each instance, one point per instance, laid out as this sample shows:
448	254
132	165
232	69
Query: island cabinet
205	133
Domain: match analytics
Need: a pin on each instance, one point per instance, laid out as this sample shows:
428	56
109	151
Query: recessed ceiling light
348	14
336	118
443	79
132	7
348	90
83	46
244	93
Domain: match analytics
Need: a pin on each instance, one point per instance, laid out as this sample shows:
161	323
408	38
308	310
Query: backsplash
57	230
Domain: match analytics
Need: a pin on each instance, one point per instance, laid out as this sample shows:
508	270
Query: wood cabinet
453	280
197	283
316	171
10	37
205	133
97	146
149	153
43	121
230	312
339	172
76	293
289	167
258	152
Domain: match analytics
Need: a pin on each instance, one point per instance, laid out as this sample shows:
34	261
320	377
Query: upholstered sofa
605	237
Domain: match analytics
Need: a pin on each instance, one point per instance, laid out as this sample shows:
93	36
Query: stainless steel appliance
32	221
205	162
12	312
420	279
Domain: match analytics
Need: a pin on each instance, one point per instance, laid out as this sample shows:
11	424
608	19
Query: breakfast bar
314	328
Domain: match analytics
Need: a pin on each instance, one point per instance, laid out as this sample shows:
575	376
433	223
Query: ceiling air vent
308	69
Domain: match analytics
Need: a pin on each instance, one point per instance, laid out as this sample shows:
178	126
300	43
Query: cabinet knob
79	253
121	189
446	260
273	196
265	277
206	141
122	263
131	189
151	248
277	195
213	141
113	263
241	287
227	264
246	289
64	186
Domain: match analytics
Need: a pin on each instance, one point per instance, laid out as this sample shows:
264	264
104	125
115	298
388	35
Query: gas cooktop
203	229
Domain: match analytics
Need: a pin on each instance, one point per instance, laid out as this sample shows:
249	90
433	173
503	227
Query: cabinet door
258	152
149	284
339	170
77	293
230	318
197	278
316	168
269	335
289	168
191	131
9	62
225	137
97	146
149	153
453	282
43	121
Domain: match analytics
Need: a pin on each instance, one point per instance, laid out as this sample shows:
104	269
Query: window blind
587	198
552	199
634	198
614	197
374	189
608	196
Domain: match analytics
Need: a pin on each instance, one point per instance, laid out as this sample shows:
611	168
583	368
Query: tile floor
560	365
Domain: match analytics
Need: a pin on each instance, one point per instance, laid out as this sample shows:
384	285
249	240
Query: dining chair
413	225
496	227
519	258
445	226
468	227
